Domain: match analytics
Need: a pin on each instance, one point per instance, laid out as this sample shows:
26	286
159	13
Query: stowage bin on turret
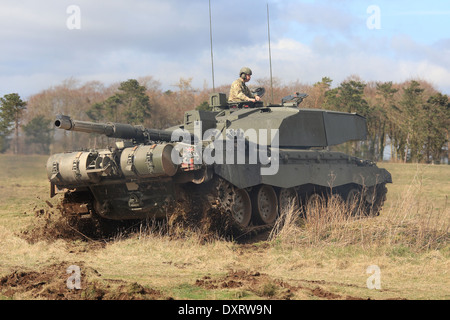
254	160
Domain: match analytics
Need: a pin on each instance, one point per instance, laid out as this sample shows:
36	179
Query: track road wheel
225	194
265	205
242	207
234	201
287	197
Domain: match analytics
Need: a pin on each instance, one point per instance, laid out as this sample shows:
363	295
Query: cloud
130	38
293	60
330	17
170	39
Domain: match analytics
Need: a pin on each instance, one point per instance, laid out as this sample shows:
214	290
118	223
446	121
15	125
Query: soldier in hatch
239	92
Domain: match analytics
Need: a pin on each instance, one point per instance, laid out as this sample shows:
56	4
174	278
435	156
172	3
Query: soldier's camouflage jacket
239	92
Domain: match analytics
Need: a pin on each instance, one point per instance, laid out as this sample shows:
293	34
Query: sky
46	42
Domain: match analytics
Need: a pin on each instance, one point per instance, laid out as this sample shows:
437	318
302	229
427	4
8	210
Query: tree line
409	121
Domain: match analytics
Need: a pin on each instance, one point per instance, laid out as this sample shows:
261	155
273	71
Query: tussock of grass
411	222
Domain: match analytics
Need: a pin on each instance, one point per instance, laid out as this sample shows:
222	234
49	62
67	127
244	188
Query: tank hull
133	196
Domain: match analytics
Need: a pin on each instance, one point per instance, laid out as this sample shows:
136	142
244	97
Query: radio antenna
211	41
270	54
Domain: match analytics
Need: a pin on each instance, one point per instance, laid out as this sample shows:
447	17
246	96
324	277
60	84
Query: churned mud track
51	283
264	286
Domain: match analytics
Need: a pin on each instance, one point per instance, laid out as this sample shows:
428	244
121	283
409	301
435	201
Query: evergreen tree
436	125
348	97
38	132
319	90
130	105
11	111
136	103
382	112
413	125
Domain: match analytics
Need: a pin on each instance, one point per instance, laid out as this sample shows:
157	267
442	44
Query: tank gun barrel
109	129
113	130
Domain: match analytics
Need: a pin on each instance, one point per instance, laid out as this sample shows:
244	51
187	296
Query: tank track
207	209
368	201
77	208
211	208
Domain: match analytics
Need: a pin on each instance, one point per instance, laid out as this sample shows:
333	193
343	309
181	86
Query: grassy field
408	242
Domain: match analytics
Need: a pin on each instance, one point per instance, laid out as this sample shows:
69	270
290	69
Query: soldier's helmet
245	70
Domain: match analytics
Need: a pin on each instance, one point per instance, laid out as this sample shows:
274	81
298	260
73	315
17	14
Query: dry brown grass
323	257
411	221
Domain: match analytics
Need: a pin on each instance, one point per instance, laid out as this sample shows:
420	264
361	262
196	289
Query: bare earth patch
266	287
50	283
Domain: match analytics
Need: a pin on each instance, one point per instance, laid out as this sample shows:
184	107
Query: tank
247	160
